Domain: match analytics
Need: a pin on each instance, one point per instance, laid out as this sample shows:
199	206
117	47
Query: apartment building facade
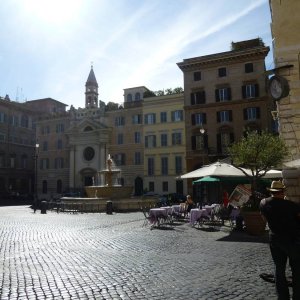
224	95
17	140
164	141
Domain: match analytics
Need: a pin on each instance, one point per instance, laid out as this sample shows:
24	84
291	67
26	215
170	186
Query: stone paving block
100	256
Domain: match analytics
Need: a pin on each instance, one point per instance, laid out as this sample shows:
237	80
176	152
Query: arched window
59	186
137	96
129	98
45	187
88	128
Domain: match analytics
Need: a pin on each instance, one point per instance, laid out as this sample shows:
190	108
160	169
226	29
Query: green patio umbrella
207	179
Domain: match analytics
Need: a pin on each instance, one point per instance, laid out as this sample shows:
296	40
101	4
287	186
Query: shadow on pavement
241	236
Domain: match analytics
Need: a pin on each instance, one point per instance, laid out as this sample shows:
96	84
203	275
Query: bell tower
91	91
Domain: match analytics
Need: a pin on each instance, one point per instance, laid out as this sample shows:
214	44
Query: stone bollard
43	207
109	207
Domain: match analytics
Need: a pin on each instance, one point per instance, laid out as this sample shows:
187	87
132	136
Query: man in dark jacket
283	217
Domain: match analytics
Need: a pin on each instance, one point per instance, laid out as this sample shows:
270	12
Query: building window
250	91
198	118
59	144
150	166
137	97
129	98
150	118
163	117
177	115
59	186
44	187
251	113
224	116
88	128
88	153
45	130
223	94
164	140
151	186
3	117
222	72
198	98
45	146
178	165
119	159
248	67
58	163
164	166
224	139
120	121
137	137
2	160
176	138
60	128
120	139
150	141
12	161
165	186
24	161
137	158
44	163
24	121
137	119
197	76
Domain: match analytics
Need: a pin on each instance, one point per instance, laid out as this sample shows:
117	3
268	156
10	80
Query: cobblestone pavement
100	256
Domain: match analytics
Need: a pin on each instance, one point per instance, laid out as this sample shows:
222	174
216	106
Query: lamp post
36	155
202	131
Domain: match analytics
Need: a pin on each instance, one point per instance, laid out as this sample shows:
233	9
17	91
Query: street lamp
36	155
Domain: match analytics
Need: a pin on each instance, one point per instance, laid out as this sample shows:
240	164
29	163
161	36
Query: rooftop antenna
17	94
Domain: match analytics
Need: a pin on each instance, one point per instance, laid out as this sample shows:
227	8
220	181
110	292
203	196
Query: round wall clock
278	87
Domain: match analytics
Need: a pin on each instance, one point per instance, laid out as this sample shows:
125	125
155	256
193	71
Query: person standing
283	217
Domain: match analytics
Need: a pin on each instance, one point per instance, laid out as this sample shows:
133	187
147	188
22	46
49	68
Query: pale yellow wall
157	105
286	48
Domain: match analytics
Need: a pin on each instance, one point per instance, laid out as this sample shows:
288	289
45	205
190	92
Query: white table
156	214
196	214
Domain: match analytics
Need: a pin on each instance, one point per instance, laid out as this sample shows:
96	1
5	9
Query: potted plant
255	154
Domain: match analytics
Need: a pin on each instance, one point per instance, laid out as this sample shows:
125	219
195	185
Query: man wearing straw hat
283	217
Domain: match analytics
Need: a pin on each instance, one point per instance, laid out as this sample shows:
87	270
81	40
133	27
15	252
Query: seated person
190	203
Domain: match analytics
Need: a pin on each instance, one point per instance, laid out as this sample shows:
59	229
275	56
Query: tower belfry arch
91	90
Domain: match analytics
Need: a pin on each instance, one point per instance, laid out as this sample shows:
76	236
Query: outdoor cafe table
196	214
156	213
169	209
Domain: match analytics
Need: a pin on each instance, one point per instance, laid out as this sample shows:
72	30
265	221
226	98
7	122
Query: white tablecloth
196	214
156	213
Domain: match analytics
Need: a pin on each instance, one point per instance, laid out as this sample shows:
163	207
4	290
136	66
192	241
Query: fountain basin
109	192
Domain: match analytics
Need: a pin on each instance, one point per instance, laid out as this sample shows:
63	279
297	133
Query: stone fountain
110	189
99	195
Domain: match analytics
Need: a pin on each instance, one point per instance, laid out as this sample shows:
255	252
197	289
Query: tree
258	152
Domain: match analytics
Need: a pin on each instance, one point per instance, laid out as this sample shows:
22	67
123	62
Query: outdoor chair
147	219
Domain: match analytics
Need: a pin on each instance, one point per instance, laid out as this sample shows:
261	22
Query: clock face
276	88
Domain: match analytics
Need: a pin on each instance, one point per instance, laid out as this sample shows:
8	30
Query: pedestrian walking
283	217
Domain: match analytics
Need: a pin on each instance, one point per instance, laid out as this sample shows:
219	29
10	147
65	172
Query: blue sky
47	46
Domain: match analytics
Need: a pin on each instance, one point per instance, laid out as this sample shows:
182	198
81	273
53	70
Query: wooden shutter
217	95
245	114
219	144
256	86
204	118
218	116
193	119
193	142
244	92
229	93
192	99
